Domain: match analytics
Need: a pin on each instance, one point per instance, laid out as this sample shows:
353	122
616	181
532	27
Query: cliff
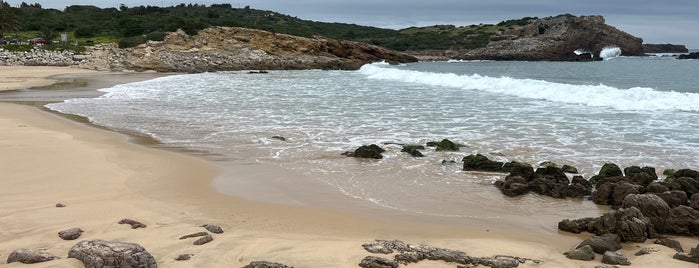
551	39
230	48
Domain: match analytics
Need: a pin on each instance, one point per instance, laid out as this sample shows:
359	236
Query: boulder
656	187
615	258
602	243
584	253
687	184
690	56
576	226
213	228
694	201
367	151
265	264
480	162
671	243
629	224
513	186
412	151
523	170
552	172
692	256
689	173
29	256
447	145
101	253
70	234
603	194
569	169
622	190
377	262
652	206
681	220
674	198
610	170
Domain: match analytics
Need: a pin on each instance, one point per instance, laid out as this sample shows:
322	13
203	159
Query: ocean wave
631	99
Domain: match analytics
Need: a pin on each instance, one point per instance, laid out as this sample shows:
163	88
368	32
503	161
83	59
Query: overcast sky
673	21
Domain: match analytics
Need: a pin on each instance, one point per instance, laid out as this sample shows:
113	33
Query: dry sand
102	178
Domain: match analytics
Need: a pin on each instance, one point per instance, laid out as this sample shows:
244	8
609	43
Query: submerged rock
447	145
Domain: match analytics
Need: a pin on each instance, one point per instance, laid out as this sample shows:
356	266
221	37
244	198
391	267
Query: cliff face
555	39
227	48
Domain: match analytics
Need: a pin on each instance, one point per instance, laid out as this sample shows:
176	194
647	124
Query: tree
9	21
48	34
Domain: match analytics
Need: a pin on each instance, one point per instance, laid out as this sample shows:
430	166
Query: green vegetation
130	26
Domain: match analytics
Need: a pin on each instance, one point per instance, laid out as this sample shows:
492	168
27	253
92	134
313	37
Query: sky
656	21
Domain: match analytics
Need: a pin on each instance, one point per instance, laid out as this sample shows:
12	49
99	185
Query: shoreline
108	178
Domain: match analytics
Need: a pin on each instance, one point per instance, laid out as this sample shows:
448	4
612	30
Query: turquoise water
626	110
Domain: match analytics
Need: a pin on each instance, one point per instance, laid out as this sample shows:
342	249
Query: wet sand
102	178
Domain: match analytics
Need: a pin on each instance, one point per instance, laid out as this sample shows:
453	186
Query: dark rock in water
694	201
432	143
213	228
645	251
367	151
412	151
584	253
513	186
652	206
687	173
656	187
59	205
205	239
266	264
602	243
184	257
554	173
448	162
615	258
682	220
569	169
690	56
28	256
671	243
480	162
100	253
547	164
70	234
258	72
134	224
279	138
413	146
377	262
674	198
447	145
610	170
692	256
523	170
575	226
194	235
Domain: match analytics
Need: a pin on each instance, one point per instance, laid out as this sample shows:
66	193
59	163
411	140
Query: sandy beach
102	178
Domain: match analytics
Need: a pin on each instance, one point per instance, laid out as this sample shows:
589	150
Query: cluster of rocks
407	254
690	56
39	57
376	152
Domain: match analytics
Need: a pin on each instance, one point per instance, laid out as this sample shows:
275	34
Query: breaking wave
610	52
631	99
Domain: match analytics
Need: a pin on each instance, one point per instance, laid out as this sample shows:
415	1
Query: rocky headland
549	39
664	48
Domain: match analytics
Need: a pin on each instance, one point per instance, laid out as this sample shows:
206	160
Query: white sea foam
610	52
632	99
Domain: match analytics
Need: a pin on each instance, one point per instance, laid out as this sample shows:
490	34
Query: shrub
132	41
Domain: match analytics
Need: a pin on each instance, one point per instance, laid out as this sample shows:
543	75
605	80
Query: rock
569	169
70	234
480	162
203	240
645	251
279	138
690	56
622	190
134	224
656	187
412	151
689	173
194	235
584	253
694	201
687	184
523	170
674	198
652	206
265	264
610	170
29	256
213	228
367	151
552	172
386	246
377	262
603	194
447	145
669	173
692	256
664	48
100	253
671	243
513	186
614	258
406	258
59	205
602	243
184	257
575	226
682	220
629	224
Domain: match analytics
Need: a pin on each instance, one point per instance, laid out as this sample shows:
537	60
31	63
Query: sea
641	111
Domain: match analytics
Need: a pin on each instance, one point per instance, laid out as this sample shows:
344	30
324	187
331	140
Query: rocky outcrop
555	39
664	48
101	253
690	56
231	48
28	256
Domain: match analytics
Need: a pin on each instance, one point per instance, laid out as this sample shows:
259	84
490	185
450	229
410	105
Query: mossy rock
569	169
447	145
548	164
610	170
369	151
413	146
479	162
412	151
515	168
